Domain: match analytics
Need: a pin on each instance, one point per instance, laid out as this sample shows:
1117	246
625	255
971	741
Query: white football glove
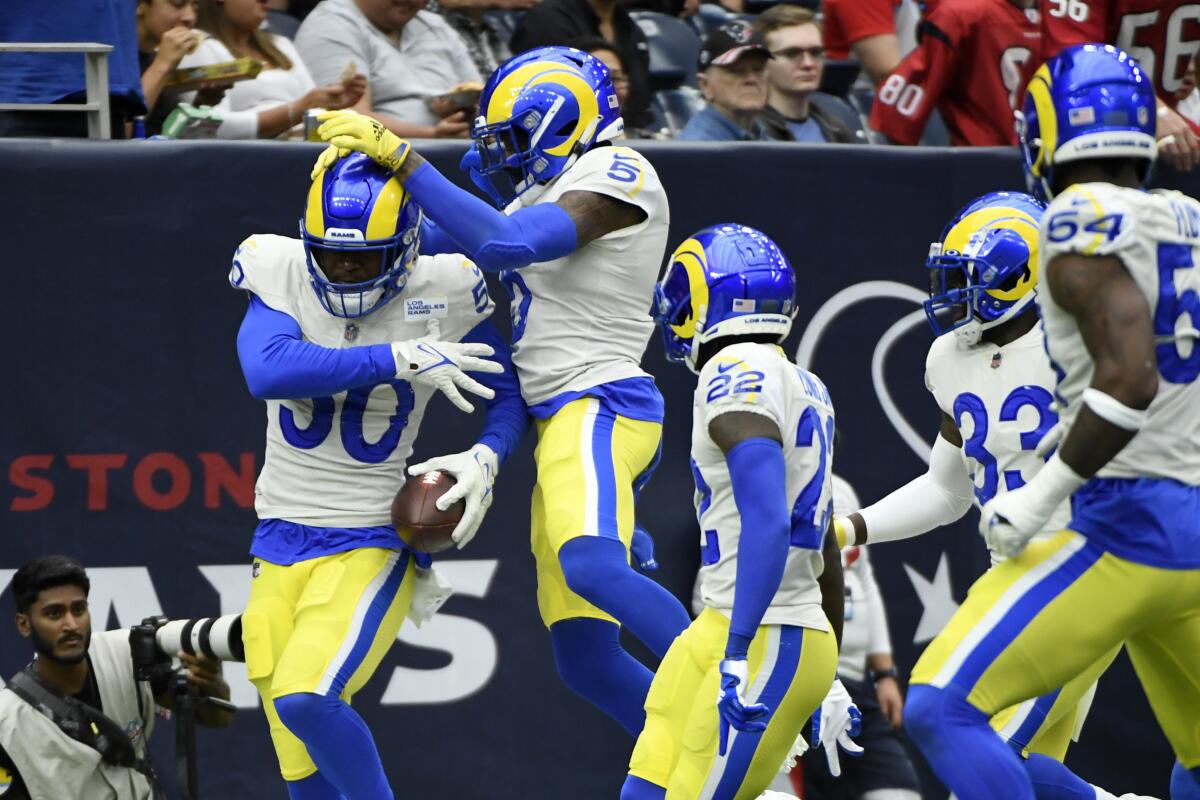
443	365
475	471
1008	521
834	723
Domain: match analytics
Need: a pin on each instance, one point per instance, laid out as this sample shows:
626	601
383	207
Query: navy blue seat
674	49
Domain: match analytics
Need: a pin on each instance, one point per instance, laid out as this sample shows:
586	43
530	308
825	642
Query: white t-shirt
429	59
584	320
759	379
999	397
241	103
1156	235
315	480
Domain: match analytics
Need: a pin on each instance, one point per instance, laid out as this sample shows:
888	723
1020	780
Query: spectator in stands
866	669
46	78
273	102
876	32
563	21
969	66
795	110
608	55
1187	98
165	34
733	79
409	55
1161	39
485	39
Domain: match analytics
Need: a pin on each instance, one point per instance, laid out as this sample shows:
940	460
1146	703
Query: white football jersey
999	397
584	319
759	379
338	461
1156	235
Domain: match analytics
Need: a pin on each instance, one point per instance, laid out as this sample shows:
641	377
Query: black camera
155	641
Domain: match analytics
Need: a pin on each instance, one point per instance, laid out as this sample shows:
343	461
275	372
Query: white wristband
1052	484
1112	410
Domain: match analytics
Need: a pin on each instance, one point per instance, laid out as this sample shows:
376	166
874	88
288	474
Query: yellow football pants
588	459
1035	622
790	670
321	626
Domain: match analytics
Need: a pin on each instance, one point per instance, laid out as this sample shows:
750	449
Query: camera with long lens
153	644
156	640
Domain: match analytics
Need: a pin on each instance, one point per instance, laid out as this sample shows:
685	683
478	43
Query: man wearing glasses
795	110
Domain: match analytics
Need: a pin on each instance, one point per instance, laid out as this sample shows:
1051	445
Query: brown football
416	517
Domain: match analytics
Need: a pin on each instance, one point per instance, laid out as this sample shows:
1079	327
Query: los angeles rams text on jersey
1000	398
583	320
758	378
336	461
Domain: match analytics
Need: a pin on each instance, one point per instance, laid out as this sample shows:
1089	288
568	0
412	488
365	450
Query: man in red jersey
1163	35
866	28
970	64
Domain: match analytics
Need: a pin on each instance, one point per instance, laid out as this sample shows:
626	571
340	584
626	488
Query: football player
733	692
1156	33
969	64
578	244
335	340
990	376
1119	308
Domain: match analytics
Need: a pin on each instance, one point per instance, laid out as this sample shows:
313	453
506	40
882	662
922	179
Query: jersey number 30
354	439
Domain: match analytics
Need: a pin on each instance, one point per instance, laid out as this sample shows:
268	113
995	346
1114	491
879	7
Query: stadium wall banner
131	442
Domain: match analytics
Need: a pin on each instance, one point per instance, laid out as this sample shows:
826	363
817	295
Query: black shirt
166	103
564	22
89	694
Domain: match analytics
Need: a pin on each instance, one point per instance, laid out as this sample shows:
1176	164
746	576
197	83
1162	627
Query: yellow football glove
348	131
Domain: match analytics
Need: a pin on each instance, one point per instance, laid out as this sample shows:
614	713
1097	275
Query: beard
46	649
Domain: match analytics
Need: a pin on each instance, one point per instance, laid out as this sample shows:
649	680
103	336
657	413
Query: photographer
89	681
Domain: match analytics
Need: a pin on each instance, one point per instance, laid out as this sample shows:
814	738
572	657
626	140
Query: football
416	516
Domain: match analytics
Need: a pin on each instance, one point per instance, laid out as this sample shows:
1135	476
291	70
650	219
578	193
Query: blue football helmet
984	269
1089	101
726	280
538	113
358	207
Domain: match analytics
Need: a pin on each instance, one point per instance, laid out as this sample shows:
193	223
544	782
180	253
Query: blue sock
945	727
597	569
593	664
314	787
1053	781
1185	783
339	743
637	789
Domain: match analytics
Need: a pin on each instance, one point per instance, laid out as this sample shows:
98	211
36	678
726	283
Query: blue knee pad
636	788
944	725
593	664
1053	781
314	787
302	712
594	568
339	743
1185	783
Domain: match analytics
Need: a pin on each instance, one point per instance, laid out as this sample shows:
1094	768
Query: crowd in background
838	71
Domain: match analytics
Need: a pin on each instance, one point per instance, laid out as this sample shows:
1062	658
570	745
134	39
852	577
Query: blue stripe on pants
787	659
1019	616
380	604
606	479
1033	721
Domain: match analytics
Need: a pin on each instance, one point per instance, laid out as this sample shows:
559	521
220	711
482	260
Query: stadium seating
674	49
676	106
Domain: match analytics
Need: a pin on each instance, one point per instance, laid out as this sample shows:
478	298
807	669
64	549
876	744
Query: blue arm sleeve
280	365
507	418
435	241
759	477
494	241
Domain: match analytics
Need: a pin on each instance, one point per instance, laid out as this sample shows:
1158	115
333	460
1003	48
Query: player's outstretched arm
280	365
1114	321
938	497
